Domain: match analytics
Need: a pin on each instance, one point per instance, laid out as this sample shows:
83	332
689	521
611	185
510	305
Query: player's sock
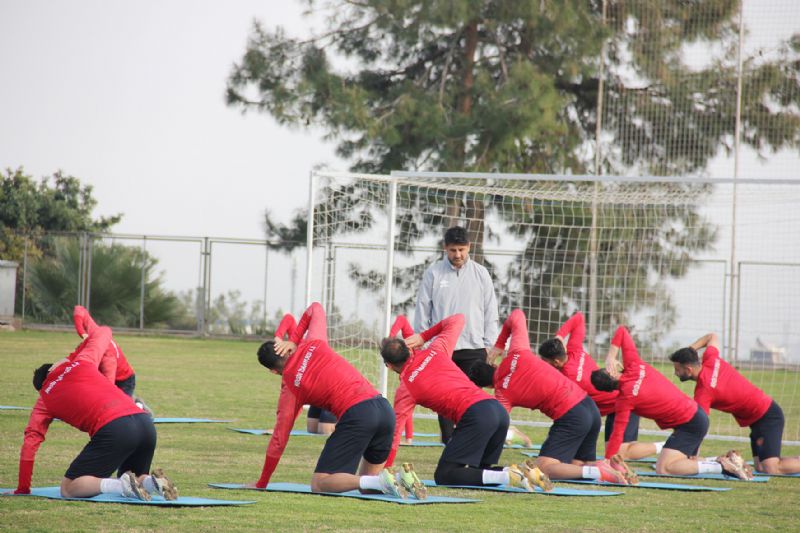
659	446
709	467
591	472
110	486
495	476
369	483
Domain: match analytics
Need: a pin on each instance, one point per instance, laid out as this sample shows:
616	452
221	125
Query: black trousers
463	360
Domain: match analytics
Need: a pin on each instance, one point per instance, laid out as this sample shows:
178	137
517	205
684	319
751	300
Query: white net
652	254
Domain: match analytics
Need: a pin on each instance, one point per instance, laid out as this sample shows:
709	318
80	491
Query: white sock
509	435
369	483
496	476
110	486
591	472
709	467
659	446
149	485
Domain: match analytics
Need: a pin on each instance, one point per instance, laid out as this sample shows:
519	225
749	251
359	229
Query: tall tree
496	85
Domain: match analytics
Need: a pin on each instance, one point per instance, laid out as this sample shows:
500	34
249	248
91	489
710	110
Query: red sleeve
623	340
401	325
623	409
575	329
447	332
288	409
95	350
519	331
84	324
38	423
403	409
287	325
314	322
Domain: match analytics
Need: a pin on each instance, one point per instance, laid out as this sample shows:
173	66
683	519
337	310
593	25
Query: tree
513	87
30	209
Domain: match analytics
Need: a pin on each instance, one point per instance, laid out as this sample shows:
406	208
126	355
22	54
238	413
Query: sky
129	97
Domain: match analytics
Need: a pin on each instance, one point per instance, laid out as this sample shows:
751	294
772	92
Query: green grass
221	379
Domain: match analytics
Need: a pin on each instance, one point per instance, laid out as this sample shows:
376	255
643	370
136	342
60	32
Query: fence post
24	278
312	184
389	285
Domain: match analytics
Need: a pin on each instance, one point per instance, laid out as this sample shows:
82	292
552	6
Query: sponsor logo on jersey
639	381
300	371
421	367
715	374
580	366
61	377
511	370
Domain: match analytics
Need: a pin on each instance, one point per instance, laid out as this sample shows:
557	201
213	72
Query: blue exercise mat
10	407
54	493
645	460
431	444
763	474
557	491
294	432
718	477
162	420
300	488
646	485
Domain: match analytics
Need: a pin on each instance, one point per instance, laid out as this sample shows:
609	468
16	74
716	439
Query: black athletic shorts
687	437
127	385
365	430
769	428
324	416
125	443
631	430
574	435
479	436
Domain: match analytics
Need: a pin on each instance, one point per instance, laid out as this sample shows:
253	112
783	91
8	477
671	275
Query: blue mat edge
186	502
580	492
351	494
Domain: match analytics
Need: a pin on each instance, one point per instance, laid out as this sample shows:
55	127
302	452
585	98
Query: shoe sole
415	487
630	476
166	488
540	480
133	485
395	488
732	469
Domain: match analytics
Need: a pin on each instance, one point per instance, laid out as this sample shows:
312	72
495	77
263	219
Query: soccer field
181	377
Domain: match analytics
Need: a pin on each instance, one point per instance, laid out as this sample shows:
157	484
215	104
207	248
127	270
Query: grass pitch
221	379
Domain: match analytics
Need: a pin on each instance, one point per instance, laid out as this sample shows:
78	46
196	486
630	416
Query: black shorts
687	437
769	428
466	358
365	430
324	416
127	385
574	435
479	436
125	443
631	430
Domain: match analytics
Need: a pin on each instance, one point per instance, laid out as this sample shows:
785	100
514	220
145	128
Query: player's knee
66	485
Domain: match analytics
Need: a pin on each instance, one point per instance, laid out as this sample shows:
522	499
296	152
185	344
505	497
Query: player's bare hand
415	341
285	348
84	335
613	367
494	353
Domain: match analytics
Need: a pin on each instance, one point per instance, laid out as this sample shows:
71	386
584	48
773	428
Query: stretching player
402	326
320	421
522	379
433	380
114	363
646	391
313	373
123	437
720	386
576	364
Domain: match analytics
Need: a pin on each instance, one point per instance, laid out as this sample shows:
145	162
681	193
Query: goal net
670	258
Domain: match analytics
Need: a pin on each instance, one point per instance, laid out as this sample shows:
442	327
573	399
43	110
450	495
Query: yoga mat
294	432
557	491
718	477
187	420
428	444
646	485
14	407
300	488
54	493
645	460
764	474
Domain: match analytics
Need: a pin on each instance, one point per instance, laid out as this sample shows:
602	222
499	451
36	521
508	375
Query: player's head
603	381
481	374
269	359
395	353
456	244
553	352
687	364
39	375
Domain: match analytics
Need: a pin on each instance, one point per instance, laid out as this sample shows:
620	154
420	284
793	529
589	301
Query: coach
454	285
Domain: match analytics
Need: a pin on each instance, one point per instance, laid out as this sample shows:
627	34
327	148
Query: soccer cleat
618	464
734	465
164	487
131	487
409	480
517	478
389	484
609	474
536	477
